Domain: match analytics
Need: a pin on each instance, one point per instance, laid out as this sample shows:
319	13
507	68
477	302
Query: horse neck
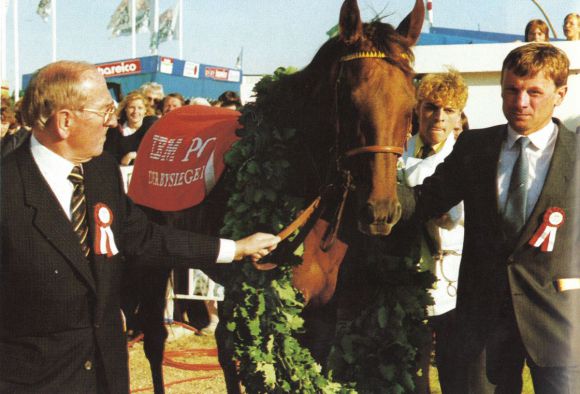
301	101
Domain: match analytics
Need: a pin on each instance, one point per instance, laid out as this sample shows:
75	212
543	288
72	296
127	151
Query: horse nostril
368	214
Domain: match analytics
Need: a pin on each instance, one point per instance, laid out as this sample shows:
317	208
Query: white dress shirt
539	152
55	169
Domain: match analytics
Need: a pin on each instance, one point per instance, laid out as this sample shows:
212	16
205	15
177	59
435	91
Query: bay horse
352	106
355	109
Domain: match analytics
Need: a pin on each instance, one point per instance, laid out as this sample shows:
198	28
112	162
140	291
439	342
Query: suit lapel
559	175
489	165
50	220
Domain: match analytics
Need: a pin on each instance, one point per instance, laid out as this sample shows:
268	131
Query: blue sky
272	32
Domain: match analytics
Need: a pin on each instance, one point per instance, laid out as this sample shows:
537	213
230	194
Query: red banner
181	157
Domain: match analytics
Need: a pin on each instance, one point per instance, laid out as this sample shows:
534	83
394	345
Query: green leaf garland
377	350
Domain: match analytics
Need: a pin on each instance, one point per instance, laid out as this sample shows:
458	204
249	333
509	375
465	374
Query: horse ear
351	29
411	26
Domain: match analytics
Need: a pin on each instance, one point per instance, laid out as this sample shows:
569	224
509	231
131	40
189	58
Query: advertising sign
115	69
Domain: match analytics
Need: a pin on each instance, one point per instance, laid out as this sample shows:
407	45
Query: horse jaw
411	26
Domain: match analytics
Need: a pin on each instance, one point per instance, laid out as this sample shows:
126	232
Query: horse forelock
384	38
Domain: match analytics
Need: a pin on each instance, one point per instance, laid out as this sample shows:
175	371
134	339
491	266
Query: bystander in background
537	31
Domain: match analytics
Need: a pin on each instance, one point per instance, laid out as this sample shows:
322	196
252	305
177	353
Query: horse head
374	103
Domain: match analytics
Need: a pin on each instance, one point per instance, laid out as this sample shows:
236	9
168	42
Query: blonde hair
528	60
444	89
133	96
153	87
52	88
572	14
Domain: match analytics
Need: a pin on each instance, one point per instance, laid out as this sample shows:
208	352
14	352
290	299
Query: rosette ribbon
104	239
545	236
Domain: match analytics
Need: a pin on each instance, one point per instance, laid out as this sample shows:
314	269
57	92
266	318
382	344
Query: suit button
511	260
88	365
97	325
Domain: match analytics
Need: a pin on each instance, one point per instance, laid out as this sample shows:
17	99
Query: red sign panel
220	74
120	68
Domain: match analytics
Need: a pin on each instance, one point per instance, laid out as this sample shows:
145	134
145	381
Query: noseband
390	149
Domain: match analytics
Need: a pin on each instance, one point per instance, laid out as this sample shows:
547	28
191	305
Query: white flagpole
181	29
3	46
53	23
156	24
133	29
16	51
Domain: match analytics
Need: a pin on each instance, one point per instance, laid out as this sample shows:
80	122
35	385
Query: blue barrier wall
191	79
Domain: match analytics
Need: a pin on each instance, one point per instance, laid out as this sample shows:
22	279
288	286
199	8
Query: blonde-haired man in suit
519	280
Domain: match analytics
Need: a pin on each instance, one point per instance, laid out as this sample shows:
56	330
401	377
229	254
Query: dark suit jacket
548	320
57	318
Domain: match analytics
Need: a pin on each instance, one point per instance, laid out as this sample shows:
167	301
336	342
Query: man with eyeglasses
153	91
67	226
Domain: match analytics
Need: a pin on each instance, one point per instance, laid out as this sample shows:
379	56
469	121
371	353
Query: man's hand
256	246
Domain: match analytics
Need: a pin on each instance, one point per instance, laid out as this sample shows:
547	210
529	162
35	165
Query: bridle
375	149
346	184
309	214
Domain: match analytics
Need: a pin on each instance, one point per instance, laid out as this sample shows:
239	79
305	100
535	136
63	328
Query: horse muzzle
378	218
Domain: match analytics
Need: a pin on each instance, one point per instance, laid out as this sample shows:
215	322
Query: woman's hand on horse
128	158
256	246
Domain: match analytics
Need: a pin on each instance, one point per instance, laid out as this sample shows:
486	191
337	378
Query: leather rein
346	185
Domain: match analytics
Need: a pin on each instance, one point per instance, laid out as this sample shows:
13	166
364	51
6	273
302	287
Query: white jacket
446	233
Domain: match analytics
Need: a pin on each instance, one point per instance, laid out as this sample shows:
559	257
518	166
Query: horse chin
375	229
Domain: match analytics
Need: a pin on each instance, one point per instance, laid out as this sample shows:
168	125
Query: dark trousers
441	330
443	327
456	375
506	358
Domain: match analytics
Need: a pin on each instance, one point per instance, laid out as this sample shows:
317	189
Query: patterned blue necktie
515	208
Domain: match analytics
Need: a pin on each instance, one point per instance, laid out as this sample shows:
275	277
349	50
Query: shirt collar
539	139
52	166
436	148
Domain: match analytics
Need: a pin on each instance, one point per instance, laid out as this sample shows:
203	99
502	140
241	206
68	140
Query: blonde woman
135	117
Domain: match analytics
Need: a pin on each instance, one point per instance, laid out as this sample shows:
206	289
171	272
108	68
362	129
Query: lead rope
332	232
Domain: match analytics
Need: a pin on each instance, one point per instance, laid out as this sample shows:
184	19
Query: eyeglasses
107	114
154	100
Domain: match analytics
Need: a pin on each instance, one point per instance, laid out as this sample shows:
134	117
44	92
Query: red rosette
104	239
545	236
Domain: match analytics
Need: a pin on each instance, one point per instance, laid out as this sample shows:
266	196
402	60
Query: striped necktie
78	208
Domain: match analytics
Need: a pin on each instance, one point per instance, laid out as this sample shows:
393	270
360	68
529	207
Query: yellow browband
363	55
368	55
